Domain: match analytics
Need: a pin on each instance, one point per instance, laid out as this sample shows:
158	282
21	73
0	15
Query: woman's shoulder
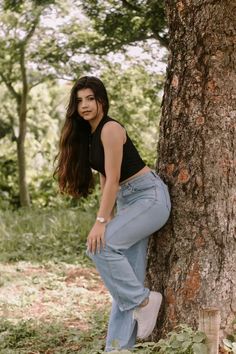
110	119
111	123
111	127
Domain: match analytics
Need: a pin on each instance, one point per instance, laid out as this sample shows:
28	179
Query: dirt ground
51	292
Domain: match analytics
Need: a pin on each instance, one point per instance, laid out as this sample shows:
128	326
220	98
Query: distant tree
124	22
34	47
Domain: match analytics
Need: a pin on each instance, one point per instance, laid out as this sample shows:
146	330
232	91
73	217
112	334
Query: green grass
54	238
39	337
44	234
30	337
51	308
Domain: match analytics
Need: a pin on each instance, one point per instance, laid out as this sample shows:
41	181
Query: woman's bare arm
102	184
113	138
102	181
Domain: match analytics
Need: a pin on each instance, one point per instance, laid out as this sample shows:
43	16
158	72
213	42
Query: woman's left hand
96	238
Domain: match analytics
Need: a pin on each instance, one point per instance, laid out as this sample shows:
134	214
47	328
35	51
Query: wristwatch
101	219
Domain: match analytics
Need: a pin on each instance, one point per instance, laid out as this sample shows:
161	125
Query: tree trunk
22	111
192	260
24	195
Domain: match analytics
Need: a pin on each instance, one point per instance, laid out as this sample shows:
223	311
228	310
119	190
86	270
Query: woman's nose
84	104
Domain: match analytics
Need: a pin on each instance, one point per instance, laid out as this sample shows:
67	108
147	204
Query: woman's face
88	108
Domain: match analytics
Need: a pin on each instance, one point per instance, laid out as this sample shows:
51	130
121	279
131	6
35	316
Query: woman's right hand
96	238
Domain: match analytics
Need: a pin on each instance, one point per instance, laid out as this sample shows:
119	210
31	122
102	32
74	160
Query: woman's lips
86	112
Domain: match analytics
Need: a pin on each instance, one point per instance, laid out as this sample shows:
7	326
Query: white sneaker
146	316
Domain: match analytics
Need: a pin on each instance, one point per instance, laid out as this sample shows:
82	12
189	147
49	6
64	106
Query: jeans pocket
144	185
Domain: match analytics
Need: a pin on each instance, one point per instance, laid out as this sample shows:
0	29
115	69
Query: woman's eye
87	99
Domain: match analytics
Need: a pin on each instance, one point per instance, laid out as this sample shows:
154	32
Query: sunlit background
47	285
63	47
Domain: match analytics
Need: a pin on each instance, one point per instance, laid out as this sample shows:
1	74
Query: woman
117	244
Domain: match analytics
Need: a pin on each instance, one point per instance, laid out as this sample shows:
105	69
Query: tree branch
8	84
36	84
23	71
12	122
32	30
43	79
130	6
164	41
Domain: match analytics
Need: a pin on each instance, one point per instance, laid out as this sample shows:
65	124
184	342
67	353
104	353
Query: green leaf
234	347
182	337
227	343
186	344
200	348
199	337
176	344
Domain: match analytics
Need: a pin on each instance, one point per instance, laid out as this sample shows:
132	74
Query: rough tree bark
192	260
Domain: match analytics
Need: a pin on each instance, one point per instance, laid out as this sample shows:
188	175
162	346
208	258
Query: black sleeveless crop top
131	162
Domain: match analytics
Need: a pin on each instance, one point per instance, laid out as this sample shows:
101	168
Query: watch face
101	219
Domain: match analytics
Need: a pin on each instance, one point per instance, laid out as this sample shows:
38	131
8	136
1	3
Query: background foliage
134	102
44	47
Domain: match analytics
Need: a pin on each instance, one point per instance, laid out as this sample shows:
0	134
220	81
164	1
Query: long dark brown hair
73	171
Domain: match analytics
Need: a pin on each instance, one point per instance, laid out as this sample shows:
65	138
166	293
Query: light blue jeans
143	207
